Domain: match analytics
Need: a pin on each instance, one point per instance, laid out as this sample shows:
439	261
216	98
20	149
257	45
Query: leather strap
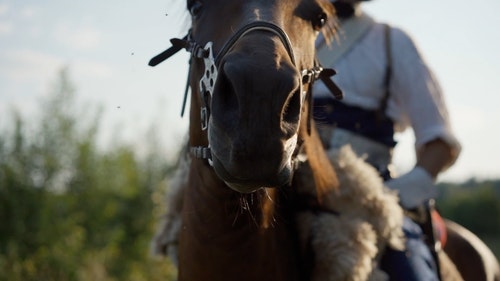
388	73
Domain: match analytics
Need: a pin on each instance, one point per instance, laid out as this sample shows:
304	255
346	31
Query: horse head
252	67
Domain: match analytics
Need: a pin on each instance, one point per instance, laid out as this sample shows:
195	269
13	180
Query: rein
212	63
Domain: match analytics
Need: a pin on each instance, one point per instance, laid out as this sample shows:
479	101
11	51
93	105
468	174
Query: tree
72	211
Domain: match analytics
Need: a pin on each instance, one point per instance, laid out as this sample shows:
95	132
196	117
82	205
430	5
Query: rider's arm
417	186
435	156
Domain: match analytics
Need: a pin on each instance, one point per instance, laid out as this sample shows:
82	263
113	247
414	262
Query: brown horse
473	258
251	72
249	122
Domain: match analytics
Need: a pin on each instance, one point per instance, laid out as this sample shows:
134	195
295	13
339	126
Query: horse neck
225	234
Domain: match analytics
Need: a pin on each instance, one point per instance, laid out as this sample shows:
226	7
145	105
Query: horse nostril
291	113
225	101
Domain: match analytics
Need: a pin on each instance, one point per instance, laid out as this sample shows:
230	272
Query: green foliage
475	205
69	210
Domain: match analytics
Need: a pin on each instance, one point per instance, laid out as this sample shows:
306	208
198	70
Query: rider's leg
415	263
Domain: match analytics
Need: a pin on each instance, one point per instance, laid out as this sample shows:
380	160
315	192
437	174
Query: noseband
207	81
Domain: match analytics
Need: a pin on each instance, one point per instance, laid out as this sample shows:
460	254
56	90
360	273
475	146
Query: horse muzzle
252	182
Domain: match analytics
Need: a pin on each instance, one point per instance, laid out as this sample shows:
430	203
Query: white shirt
416	98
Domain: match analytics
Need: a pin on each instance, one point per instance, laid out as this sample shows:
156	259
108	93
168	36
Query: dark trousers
415	263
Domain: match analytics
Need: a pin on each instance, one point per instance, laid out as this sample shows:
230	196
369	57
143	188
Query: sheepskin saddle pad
347	245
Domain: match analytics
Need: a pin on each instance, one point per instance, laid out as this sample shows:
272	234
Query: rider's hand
414	187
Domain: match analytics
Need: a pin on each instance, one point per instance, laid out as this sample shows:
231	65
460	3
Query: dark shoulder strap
388	72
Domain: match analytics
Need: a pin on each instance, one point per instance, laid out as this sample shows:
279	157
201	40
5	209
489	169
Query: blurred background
89	134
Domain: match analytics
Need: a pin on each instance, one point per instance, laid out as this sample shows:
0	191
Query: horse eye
195	8
319	21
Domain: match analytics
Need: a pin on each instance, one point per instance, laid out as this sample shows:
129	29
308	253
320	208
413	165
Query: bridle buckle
204	118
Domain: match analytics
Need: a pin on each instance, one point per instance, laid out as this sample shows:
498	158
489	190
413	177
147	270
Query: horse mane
324	175
178	9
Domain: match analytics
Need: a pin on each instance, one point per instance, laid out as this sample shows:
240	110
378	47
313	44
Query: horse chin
242	188
244	185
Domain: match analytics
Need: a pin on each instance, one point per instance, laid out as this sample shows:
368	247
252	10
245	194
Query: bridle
212	63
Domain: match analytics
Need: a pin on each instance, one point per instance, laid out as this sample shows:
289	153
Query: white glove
414	187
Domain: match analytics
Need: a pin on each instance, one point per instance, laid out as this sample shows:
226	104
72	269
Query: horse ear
323	173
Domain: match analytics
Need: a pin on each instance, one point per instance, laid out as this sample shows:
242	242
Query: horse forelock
177	9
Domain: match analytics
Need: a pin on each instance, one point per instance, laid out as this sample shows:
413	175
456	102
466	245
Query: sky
106	46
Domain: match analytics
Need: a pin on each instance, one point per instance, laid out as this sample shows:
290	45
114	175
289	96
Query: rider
387	87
